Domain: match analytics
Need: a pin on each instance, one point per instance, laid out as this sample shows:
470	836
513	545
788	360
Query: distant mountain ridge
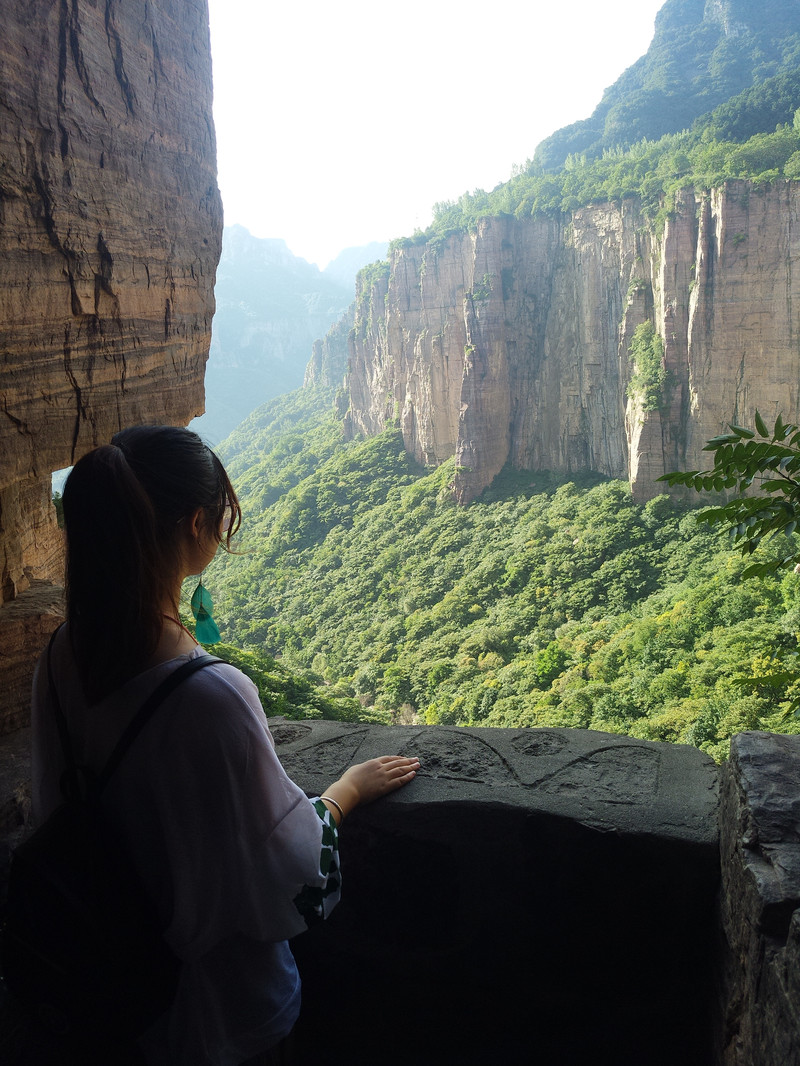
703	52
271	307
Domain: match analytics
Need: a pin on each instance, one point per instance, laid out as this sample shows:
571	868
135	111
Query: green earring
206	628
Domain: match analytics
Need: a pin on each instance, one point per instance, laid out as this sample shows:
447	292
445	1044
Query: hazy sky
340	124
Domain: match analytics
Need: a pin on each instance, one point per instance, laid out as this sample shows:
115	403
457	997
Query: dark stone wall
533	896
760	902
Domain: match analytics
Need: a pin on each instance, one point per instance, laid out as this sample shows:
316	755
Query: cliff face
512	343
329	356
110	229
110	225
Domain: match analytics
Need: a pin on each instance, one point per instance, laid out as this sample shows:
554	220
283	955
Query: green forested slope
700	56
542	603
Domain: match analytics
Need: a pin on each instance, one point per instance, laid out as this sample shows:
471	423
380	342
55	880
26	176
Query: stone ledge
606	782
540	893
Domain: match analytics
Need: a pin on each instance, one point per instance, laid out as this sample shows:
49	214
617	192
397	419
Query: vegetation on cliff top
651	171
546	602
752	134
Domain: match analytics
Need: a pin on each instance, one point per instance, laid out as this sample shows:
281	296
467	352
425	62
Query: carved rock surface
110	228
511	343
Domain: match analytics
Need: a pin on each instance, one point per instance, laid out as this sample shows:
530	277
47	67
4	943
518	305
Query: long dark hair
123	506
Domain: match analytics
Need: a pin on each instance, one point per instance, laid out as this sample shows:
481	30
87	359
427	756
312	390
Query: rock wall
110	225
110	229
559	896
760	902
511	343
329	356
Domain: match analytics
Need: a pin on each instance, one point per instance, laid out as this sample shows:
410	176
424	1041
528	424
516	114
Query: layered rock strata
511	343
110	229
110	226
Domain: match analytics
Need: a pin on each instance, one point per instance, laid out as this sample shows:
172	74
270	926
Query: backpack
81	942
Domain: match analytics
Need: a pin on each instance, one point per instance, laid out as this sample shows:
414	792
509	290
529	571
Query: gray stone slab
601	780
559	878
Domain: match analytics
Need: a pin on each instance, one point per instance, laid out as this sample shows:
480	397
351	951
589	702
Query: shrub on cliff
650	378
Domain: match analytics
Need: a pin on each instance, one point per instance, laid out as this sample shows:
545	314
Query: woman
226	845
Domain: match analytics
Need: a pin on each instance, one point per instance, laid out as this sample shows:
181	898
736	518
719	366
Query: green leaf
761	426
723	438
740	431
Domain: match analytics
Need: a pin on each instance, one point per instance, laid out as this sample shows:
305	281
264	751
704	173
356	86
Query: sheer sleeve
248	852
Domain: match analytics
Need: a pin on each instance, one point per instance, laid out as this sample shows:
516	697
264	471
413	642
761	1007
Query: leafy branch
741	458
772	461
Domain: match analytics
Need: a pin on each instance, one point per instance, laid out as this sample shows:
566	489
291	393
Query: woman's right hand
368	781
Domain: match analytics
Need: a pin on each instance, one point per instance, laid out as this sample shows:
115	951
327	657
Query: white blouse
222	839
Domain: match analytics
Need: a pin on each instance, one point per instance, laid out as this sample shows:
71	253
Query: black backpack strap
145	712
70	783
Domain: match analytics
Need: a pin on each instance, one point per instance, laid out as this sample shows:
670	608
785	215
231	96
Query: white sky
340	124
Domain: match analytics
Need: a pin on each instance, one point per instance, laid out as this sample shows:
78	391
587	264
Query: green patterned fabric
315	903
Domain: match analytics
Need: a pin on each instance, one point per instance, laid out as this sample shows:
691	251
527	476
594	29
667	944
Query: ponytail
123	505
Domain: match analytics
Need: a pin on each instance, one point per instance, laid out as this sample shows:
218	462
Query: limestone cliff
328	362
512	343
110	228
110	225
